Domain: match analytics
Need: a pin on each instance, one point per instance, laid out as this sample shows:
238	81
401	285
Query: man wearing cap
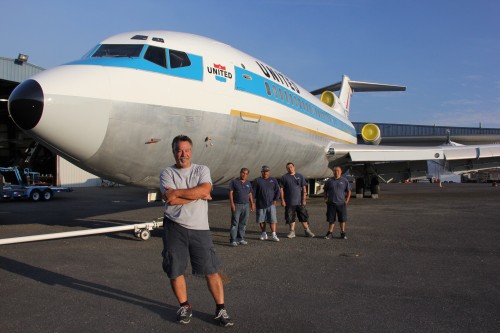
293	198
267	192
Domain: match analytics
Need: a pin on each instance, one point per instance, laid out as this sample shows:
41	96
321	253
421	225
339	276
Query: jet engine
328	98
371	134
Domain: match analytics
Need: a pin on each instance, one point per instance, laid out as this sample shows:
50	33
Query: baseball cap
265	168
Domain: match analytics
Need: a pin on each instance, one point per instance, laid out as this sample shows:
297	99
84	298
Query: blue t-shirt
241	191
293	186
336	189
266	191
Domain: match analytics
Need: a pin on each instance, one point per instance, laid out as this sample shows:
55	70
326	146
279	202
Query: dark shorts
181	244
336	210
301	212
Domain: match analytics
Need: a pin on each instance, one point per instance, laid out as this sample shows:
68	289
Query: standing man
267	192
293	198
186	188
241	198
337	195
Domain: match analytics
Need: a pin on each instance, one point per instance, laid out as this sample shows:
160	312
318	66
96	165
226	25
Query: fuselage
115	111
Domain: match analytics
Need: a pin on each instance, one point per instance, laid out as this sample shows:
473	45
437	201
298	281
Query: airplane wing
394	159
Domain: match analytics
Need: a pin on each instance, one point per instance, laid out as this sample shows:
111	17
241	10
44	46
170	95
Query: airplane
115	111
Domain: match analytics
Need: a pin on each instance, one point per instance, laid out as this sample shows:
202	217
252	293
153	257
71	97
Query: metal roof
14	71
428	130
399	134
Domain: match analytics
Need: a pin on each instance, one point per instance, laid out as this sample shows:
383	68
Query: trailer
17	185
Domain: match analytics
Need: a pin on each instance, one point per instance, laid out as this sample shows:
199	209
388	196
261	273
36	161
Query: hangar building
17	149
401	135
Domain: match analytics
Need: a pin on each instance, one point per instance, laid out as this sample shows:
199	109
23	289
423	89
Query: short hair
290	163
337	166
179	138
245	169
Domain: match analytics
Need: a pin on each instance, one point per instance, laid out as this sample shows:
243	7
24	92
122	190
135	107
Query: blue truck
17	185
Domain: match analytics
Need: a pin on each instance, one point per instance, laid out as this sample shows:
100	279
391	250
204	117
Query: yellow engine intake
328	98
371	134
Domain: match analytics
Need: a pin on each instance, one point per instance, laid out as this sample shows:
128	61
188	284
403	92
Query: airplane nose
26	104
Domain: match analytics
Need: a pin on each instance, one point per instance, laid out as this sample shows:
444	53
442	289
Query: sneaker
223	318
274	238
343	235
234	244
184	314
291	234
263	236
309	233
243	242
328	235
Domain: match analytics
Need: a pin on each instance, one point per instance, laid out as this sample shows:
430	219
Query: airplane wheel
137	233
145	234
35	195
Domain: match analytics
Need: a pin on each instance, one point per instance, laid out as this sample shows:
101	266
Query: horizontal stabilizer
358	86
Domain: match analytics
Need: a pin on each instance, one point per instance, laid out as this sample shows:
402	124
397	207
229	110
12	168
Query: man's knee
215	277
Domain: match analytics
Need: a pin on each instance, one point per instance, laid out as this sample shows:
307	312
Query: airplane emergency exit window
179	59
118	50
156	55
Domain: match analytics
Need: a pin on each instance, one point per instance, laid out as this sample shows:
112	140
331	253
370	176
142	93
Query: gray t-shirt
193	215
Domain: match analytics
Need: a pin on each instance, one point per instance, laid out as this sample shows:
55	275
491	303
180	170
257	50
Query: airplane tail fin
347	87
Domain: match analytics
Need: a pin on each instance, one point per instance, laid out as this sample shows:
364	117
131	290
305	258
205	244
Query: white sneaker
309	233
291	234
274	238
263	236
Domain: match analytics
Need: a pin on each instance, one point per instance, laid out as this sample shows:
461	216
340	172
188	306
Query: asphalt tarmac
419	259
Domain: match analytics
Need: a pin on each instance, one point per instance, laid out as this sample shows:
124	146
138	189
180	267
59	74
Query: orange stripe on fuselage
256	116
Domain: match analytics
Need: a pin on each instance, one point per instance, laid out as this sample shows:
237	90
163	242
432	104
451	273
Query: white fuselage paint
119	122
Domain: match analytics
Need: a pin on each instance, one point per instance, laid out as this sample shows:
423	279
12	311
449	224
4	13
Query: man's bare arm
231	200
184	196
348	197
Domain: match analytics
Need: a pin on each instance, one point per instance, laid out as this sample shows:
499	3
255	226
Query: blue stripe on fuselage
256	84
194	71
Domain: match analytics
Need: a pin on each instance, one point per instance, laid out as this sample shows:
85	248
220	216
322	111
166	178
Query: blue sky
446	52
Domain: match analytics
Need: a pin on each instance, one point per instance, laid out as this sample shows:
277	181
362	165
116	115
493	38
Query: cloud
474	77
462	101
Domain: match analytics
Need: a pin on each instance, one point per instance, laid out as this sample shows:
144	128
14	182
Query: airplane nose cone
26	104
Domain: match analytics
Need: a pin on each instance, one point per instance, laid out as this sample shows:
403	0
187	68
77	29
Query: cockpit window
118	50
179	59
156	55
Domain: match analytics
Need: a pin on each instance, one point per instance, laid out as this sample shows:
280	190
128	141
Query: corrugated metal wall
70	175
11	71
